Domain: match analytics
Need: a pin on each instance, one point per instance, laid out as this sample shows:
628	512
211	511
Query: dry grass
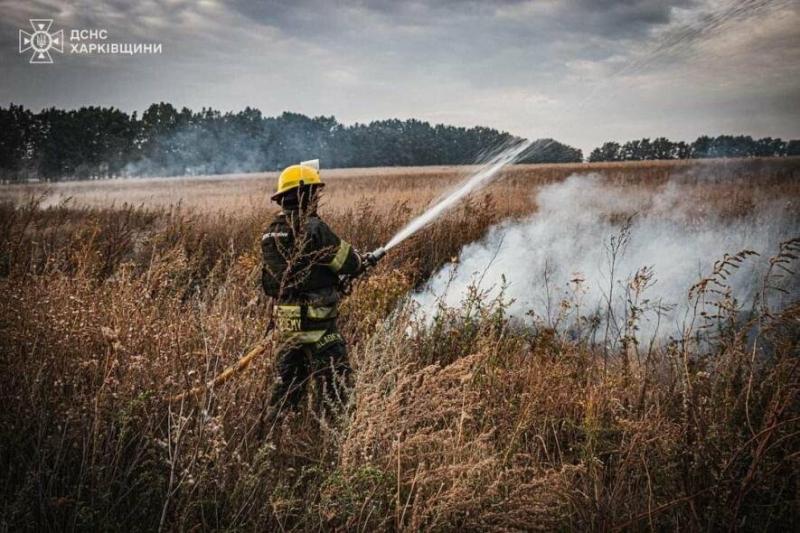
413	186
468	423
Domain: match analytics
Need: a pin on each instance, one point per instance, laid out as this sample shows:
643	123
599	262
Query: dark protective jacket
303	259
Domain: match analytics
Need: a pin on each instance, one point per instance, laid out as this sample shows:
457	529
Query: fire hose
238	366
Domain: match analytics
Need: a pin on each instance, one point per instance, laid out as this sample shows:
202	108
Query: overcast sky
582	71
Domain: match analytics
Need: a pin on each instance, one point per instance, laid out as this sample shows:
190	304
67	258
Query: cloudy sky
582	71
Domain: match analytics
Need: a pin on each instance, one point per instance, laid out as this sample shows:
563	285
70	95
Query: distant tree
552	151
793	148
703	147
637	150
682	150
17	138
769	147
731	146
609	151
662	148
64	148
156	142
646	150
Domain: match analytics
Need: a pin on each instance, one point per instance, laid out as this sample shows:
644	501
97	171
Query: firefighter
304	262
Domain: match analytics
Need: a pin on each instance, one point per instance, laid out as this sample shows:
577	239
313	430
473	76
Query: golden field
415	186
120	294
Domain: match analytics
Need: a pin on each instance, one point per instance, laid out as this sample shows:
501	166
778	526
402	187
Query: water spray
480	179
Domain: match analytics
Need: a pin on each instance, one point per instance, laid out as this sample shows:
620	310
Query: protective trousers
325	361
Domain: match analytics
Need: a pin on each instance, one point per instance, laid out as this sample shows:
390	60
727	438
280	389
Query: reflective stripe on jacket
304	324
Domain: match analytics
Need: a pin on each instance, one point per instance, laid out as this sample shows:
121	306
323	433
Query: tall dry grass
470	422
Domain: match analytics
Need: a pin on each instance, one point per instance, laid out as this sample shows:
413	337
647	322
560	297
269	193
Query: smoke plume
564	252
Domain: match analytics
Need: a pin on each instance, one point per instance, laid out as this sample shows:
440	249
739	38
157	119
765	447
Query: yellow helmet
297	176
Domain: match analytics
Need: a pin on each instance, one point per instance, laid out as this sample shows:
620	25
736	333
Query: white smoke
569	238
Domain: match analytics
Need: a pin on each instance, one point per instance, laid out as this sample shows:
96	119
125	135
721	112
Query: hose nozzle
374	256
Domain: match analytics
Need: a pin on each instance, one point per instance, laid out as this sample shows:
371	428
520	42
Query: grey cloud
537	68
614	18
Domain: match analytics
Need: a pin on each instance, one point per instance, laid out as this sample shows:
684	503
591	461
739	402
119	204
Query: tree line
102	142
703	147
